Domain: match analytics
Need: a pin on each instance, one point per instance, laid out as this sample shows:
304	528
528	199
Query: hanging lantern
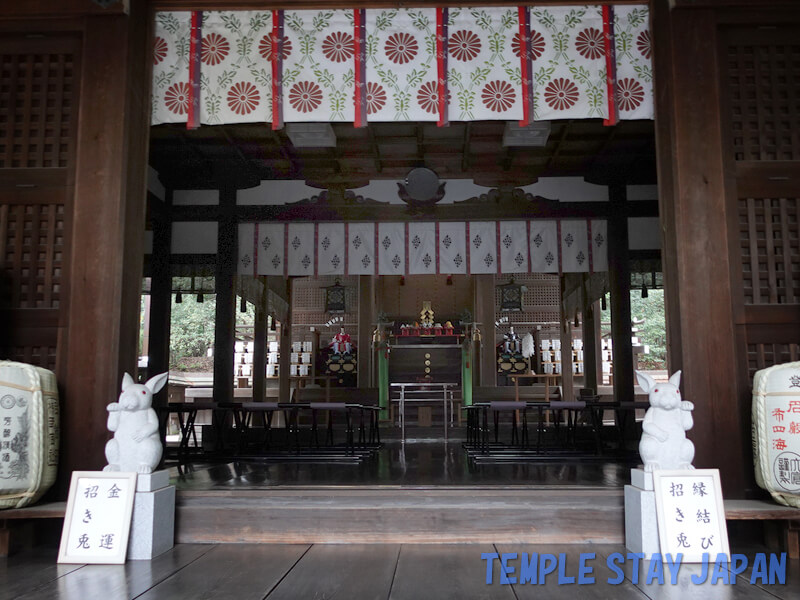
334	298
242	305
178	297
200	298
644	289
603	305
510	297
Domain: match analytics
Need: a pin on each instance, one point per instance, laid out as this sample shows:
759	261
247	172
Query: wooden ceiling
243	155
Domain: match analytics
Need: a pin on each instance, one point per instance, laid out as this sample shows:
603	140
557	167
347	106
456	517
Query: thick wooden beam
485	315
160	293
619	276
567	376
225	318
107	226
260	346
367	316
694	193
285	349
591	346
333	4
507	209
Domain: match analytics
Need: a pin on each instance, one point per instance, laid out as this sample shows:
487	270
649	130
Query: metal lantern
334	298
511	297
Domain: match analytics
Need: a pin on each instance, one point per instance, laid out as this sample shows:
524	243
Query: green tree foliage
191	328
653	332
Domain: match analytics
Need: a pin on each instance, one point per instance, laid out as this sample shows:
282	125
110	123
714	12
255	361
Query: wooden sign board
98	518
691	515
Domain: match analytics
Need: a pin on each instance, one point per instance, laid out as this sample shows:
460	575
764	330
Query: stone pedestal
641	525
153	523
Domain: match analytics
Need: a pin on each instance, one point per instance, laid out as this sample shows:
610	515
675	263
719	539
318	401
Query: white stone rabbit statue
664	444
136	445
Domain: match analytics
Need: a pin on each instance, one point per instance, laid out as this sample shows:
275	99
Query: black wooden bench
12	538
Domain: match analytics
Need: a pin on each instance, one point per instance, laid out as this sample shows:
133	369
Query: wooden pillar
485	315
619	275
108	217
160	293
366	324
225	318
260	345
699	235
565	335
285	349
590	346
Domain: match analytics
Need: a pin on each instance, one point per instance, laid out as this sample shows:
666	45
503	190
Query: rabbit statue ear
154	384
645	381
127	381
676	379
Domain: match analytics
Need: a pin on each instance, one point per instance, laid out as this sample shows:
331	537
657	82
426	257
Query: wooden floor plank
445	572
685	589
341	571
111	582
230	571
789	591
599	589
30	570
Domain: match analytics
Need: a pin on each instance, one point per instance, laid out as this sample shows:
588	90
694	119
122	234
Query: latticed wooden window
770	250
764	90
31	255
37	109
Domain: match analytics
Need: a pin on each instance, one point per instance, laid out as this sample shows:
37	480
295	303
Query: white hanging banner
482	247
599	245
421	245
391	249
361	249
300	249
271	241
452	247
330	249
544	246
513	246
574	246
247	249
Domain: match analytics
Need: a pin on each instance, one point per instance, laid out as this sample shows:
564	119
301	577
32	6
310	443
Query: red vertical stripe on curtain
360	65
277	69
611	64
591	258
441	64
195	51
525	64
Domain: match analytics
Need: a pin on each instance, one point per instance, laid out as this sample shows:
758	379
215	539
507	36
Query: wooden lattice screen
37	107
38	113
762	76
770	246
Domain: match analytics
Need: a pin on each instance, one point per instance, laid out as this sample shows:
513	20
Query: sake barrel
29	433
776	431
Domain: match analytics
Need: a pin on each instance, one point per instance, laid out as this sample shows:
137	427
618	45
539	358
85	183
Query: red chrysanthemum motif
401	48
214	49
243	97
630	94
537	45
590	43
159	50
376	98
464	45
305	96
265	47
338	46
498	95
645	44
428	97
177	98
561	93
